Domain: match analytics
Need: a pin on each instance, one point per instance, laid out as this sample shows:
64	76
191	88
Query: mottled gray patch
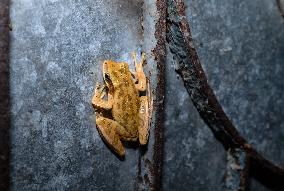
56	54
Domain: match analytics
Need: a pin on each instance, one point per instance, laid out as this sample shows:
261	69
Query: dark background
4	96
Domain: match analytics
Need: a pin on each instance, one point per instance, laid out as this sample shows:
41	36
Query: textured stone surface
56	51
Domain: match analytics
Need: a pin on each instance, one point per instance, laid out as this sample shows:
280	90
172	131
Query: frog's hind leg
112	132
144	115
140	75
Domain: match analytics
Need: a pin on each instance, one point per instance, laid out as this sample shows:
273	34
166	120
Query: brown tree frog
121	114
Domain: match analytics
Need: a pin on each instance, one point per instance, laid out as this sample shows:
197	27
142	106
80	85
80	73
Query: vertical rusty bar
160	56
151	161
4	95
237	175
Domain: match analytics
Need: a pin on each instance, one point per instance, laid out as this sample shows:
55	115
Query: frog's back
126	107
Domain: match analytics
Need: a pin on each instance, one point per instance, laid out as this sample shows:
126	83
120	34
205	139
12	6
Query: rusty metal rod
206	103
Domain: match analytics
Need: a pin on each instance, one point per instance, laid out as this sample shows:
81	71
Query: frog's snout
105	66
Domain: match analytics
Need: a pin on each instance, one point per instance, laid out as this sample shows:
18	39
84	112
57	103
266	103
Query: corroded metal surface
151	161
237	170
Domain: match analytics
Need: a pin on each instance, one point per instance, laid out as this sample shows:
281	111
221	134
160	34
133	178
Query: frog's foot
98	101
141	85
144	125
112	132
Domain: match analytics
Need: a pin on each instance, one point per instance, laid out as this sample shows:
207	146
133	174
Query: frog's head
115	73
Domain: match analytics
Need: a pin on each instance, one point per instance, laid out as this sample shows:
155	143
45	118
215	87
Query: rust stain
153	180
160	57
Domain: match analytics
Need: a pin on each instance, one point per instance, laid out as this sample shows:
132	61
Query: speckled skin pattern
127	110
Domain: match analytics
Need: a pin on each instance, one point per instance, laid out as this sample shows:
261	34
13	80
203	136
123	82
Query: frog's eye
107	78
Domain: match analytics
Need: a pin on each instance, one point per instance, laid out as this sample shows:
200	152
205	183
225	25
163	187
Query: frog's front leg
139	75
98	101
112	132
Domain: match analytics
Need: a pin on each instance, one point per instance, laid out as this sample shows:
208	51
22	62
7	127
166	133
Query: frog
122	113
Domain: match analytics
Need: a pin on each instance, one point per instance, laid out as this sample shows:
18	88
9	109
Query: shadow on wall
4	96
